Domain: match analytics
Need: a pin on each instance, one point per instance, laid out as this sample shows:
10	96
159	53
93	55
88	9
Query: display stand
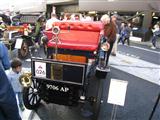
114	112
116	96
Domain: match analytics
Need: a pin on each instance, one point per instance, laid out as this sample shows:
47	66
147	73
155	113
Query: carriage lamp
55	30
44	39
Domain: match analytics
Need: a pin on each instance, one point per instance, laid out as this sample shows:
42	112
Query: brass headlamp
25	79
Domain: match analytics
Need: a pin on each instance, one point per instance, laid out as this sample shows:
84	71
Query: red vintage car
67	75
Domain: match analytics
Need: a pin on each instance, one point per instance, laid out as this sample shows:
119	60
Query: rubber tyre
31	96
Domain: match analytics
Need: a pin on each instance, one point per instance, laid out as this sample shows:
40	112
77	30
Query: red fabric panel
82	35
79	25
77	40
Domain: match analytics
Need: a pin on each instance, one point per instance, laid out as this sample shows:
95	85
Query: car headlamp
55	30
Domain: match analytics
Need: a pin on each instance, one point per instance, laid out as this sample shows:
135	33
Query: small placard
40	69
117	92
18	43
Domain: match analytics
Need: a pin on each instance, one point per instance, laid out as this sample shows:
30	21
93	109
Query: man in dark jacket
8	103
4	57
127	31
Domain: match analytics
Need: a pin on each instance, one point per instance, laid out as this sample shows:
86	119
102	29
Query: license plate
57	88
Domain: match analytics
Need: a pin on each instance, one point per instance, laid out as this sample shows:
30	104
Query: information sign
117	92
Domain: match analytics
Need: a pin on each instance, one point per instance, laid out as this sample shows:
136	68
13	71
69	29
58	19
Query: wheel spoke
34	84
31	88
33	100
30	93
38	87
31	96
37	84
36	98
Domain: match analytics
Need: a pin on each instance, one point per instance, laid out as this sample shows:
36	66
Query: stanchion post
154	108
114	112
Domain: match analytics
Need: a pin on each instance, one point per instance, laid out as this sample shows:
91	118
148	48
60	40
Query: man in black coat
8	103
4	57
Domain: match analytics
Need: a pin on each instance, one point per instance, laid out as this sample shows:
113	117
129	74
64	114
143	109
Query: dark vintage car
20	34
69	75
27	21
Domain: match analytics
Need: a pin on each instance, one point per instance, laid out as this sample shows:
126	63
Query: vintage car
70	75
20	34
14	38
8	37
27	22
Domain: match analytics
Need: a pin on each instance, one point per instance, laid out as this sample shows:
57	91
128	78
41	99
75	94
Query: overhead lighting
92	12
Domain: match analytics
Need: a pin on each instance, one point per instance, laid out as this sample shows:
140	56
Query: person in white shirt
50	22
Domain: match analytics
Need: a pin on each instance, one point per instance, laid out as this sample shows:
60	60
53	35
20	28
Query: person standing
156	34
122	33
117	24
50	22
67	16
13	76
109	32
2	24
2	27
127	32
39	26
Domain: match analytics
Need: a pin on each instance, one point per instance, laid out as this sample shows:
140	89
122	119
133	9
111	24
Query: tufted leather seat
81	36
